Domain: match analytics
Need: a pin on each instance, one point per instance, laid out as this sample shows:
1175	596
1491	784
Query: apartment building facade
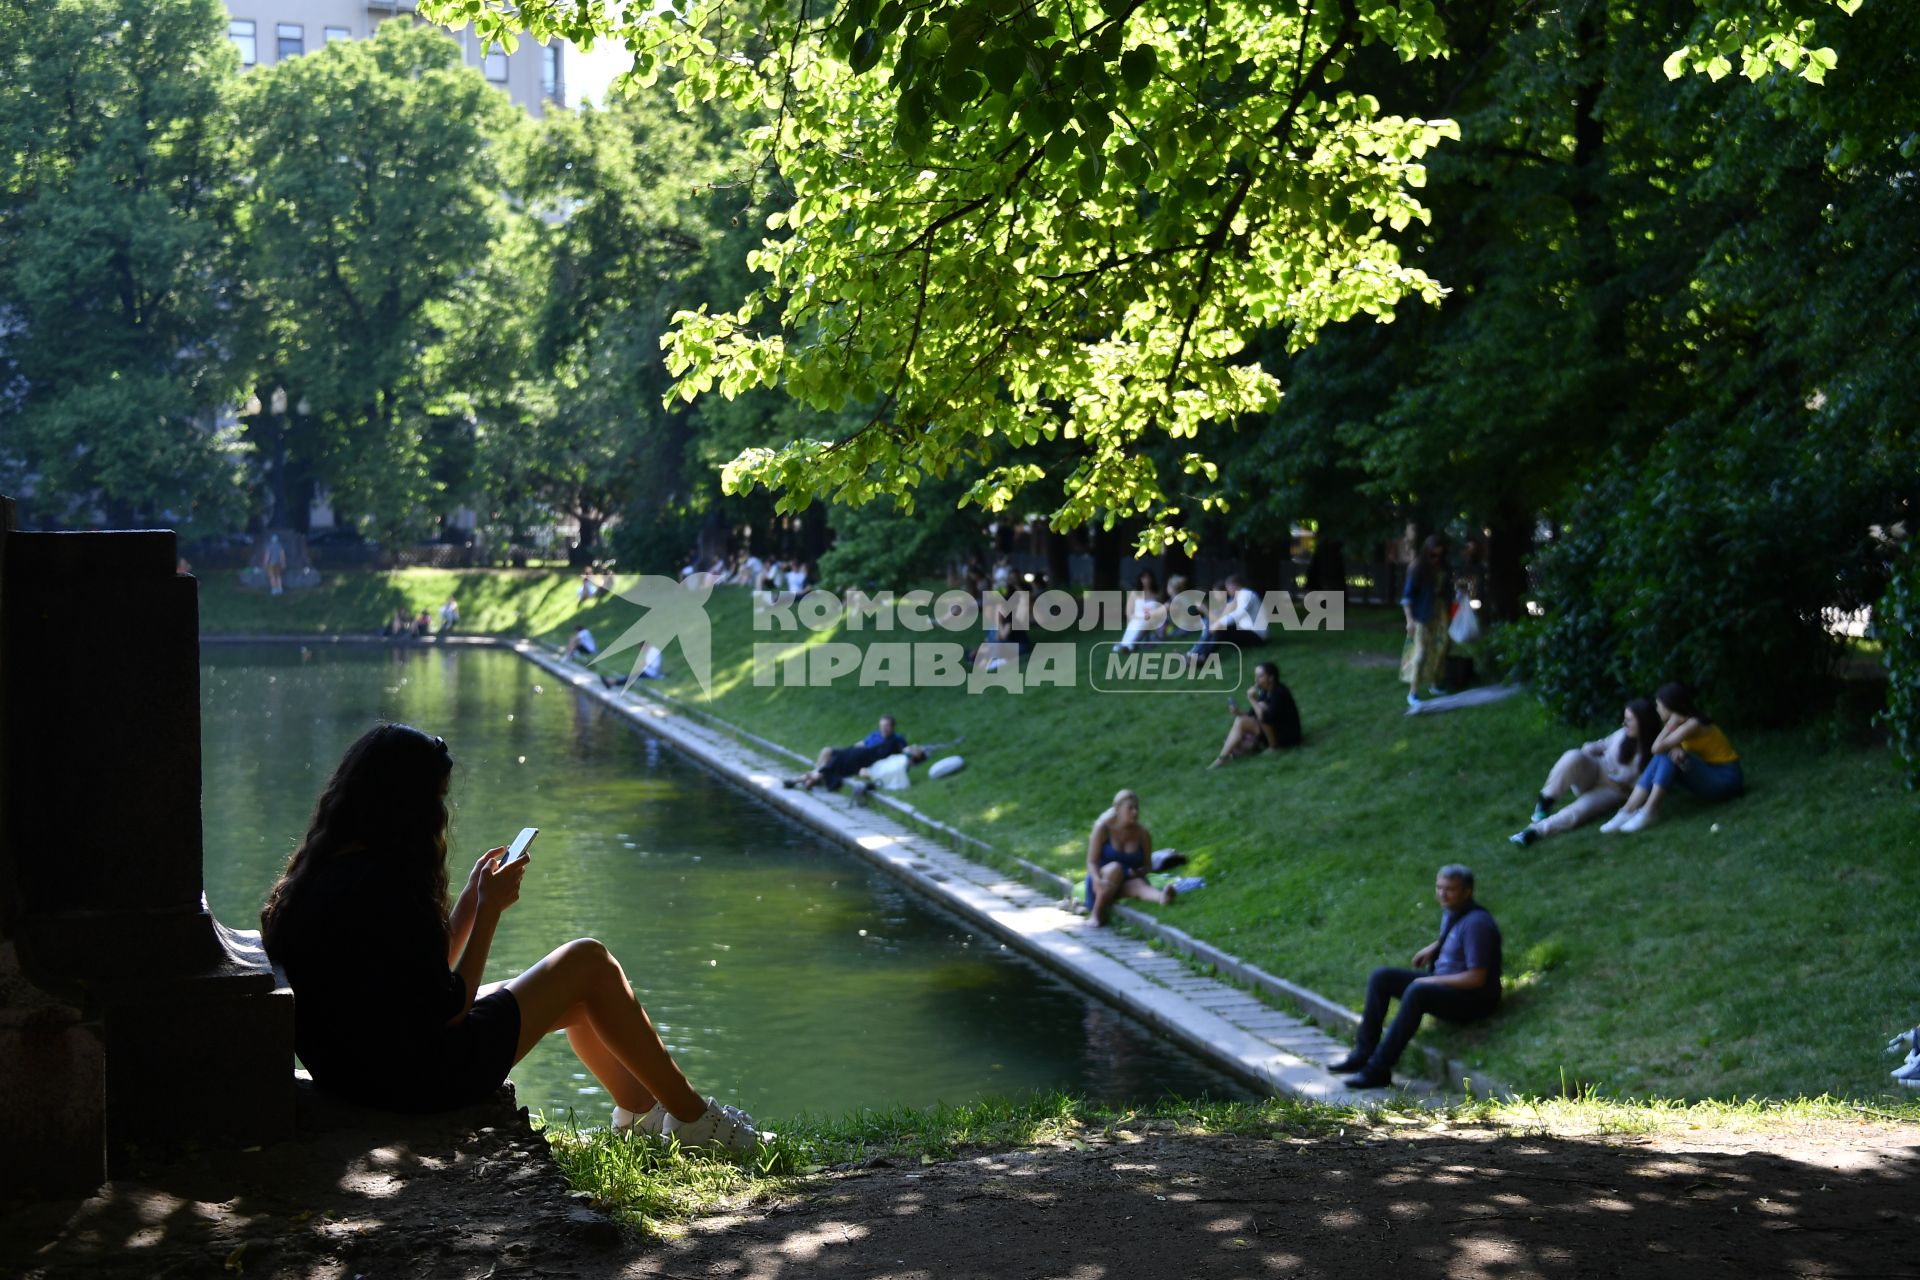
269	31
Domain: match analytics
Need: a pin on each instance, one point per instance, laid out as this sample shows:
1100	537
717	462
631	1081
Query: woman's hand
498	885
1678	755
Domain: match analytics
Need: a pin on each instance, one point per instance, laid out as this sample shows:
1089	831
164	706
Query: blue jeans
1708	781
1212	638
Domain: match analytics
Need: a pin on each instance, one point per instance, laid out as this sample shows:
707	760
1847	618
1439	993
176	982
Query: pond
785	974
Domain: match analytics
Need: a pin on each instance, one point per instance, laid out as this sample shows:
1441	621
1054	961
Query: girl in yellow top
1691	751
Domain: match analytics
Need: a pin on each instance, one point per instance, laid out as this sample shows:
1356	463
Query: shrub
1896	624
1709	561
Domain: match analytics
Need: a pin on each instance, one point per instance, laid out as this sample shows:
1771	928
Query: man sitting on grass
836	764
1464	984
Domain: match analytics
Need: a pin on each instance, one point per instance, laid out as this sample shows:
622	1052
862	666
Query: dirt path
1835	1203
475	1195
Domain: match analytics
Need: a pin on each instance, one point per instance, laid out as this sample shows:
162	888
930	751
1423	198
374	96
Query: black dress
367	960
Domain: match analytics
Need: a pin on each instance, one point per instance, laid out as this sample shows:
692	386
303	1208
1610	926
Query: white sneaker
1642	819
727	1130
648	1125
1614	823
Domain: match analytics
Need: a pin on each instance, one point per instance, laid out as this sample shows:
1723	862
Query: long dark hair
1646	727
1683	702
389	794
1424	573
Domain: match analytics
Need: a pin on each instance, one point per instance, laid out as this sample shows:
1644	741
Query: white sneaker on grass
1614	823
727	1130
1642	819
649	1125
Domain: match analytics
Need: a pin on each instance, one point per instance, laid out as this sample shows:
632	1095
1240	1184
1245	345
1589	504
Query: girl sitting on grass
389	1009
1271	721
1602	773
1691	751
1119	855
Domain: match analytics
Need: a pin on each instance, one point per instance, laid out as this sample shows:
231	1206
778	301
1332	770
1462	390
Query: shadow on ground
1453	1205
362	1193
475	1195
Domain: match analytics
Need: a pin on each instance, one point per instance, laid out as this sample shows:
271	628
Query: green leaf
1004	66
866	52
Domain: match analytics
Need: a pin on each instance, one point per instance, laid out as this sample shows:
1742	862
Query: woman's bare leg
1242	726
1139	888
582	985
1106	887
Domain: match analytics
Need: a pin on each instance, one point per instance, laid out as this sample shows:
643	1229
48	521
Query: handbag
1465	628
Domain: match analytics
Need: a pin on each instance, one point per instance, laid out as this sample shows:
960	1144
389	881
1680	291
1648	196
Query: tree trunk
1507	554
1107	547
1059	558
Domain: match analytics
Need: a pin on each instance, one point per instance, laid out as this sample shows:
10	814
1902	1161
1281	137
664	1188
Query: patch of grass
1731	950
492	601
653	1187
1744	949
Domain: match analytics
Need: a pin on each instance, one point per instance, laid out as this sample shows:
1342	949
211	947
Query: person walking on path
1424	603
390	1009
275	563
1462	983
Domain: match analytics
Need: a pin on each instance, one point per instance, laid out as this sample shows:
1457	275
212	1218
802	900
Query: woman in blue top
1424	602
1119	851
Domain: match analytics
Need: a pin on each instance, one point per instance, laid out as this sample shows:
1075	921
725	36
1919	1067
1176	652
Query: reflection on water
784	973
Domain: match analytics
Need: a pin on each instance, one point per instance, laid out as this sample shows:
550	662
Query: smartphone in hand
518	849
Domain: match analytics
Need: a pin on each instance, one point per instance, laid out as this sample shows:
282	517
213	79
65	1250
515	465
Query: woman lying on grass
389	1007
1691	751
1118	858
1601	773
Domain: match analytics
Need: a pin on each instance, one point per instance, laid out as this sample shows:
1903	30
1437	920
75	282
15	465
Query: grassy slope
503	601
1769	957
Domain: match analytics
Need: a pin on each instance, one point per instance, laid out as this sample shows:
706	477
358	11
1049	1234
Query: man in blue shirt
836	764
1463	985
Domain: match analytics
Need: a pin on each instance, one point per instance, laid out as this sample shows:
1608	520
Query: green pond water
785	974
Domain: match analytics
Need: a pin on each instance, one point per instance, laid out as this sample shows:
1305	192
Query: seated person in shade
1601	774
580	644
1237	618
836	764
1271	720
1691	751
1463	984
1146	613
1119	851
388	966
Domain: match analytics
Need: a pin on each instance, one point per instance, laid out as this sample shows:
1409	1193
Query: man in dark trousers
837	764
1463	984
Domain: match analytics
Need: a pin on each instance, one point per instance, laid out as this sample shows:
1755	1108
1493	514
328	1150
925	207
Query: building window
241	33
550	71
292	40
338	33
495	65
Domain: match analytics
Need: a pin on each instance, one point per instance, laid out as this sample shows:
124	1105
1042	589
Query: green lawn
497	601
1769	957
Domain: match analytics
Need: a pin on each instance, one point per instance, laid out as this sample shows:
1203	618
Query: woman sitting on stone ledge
389	1007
